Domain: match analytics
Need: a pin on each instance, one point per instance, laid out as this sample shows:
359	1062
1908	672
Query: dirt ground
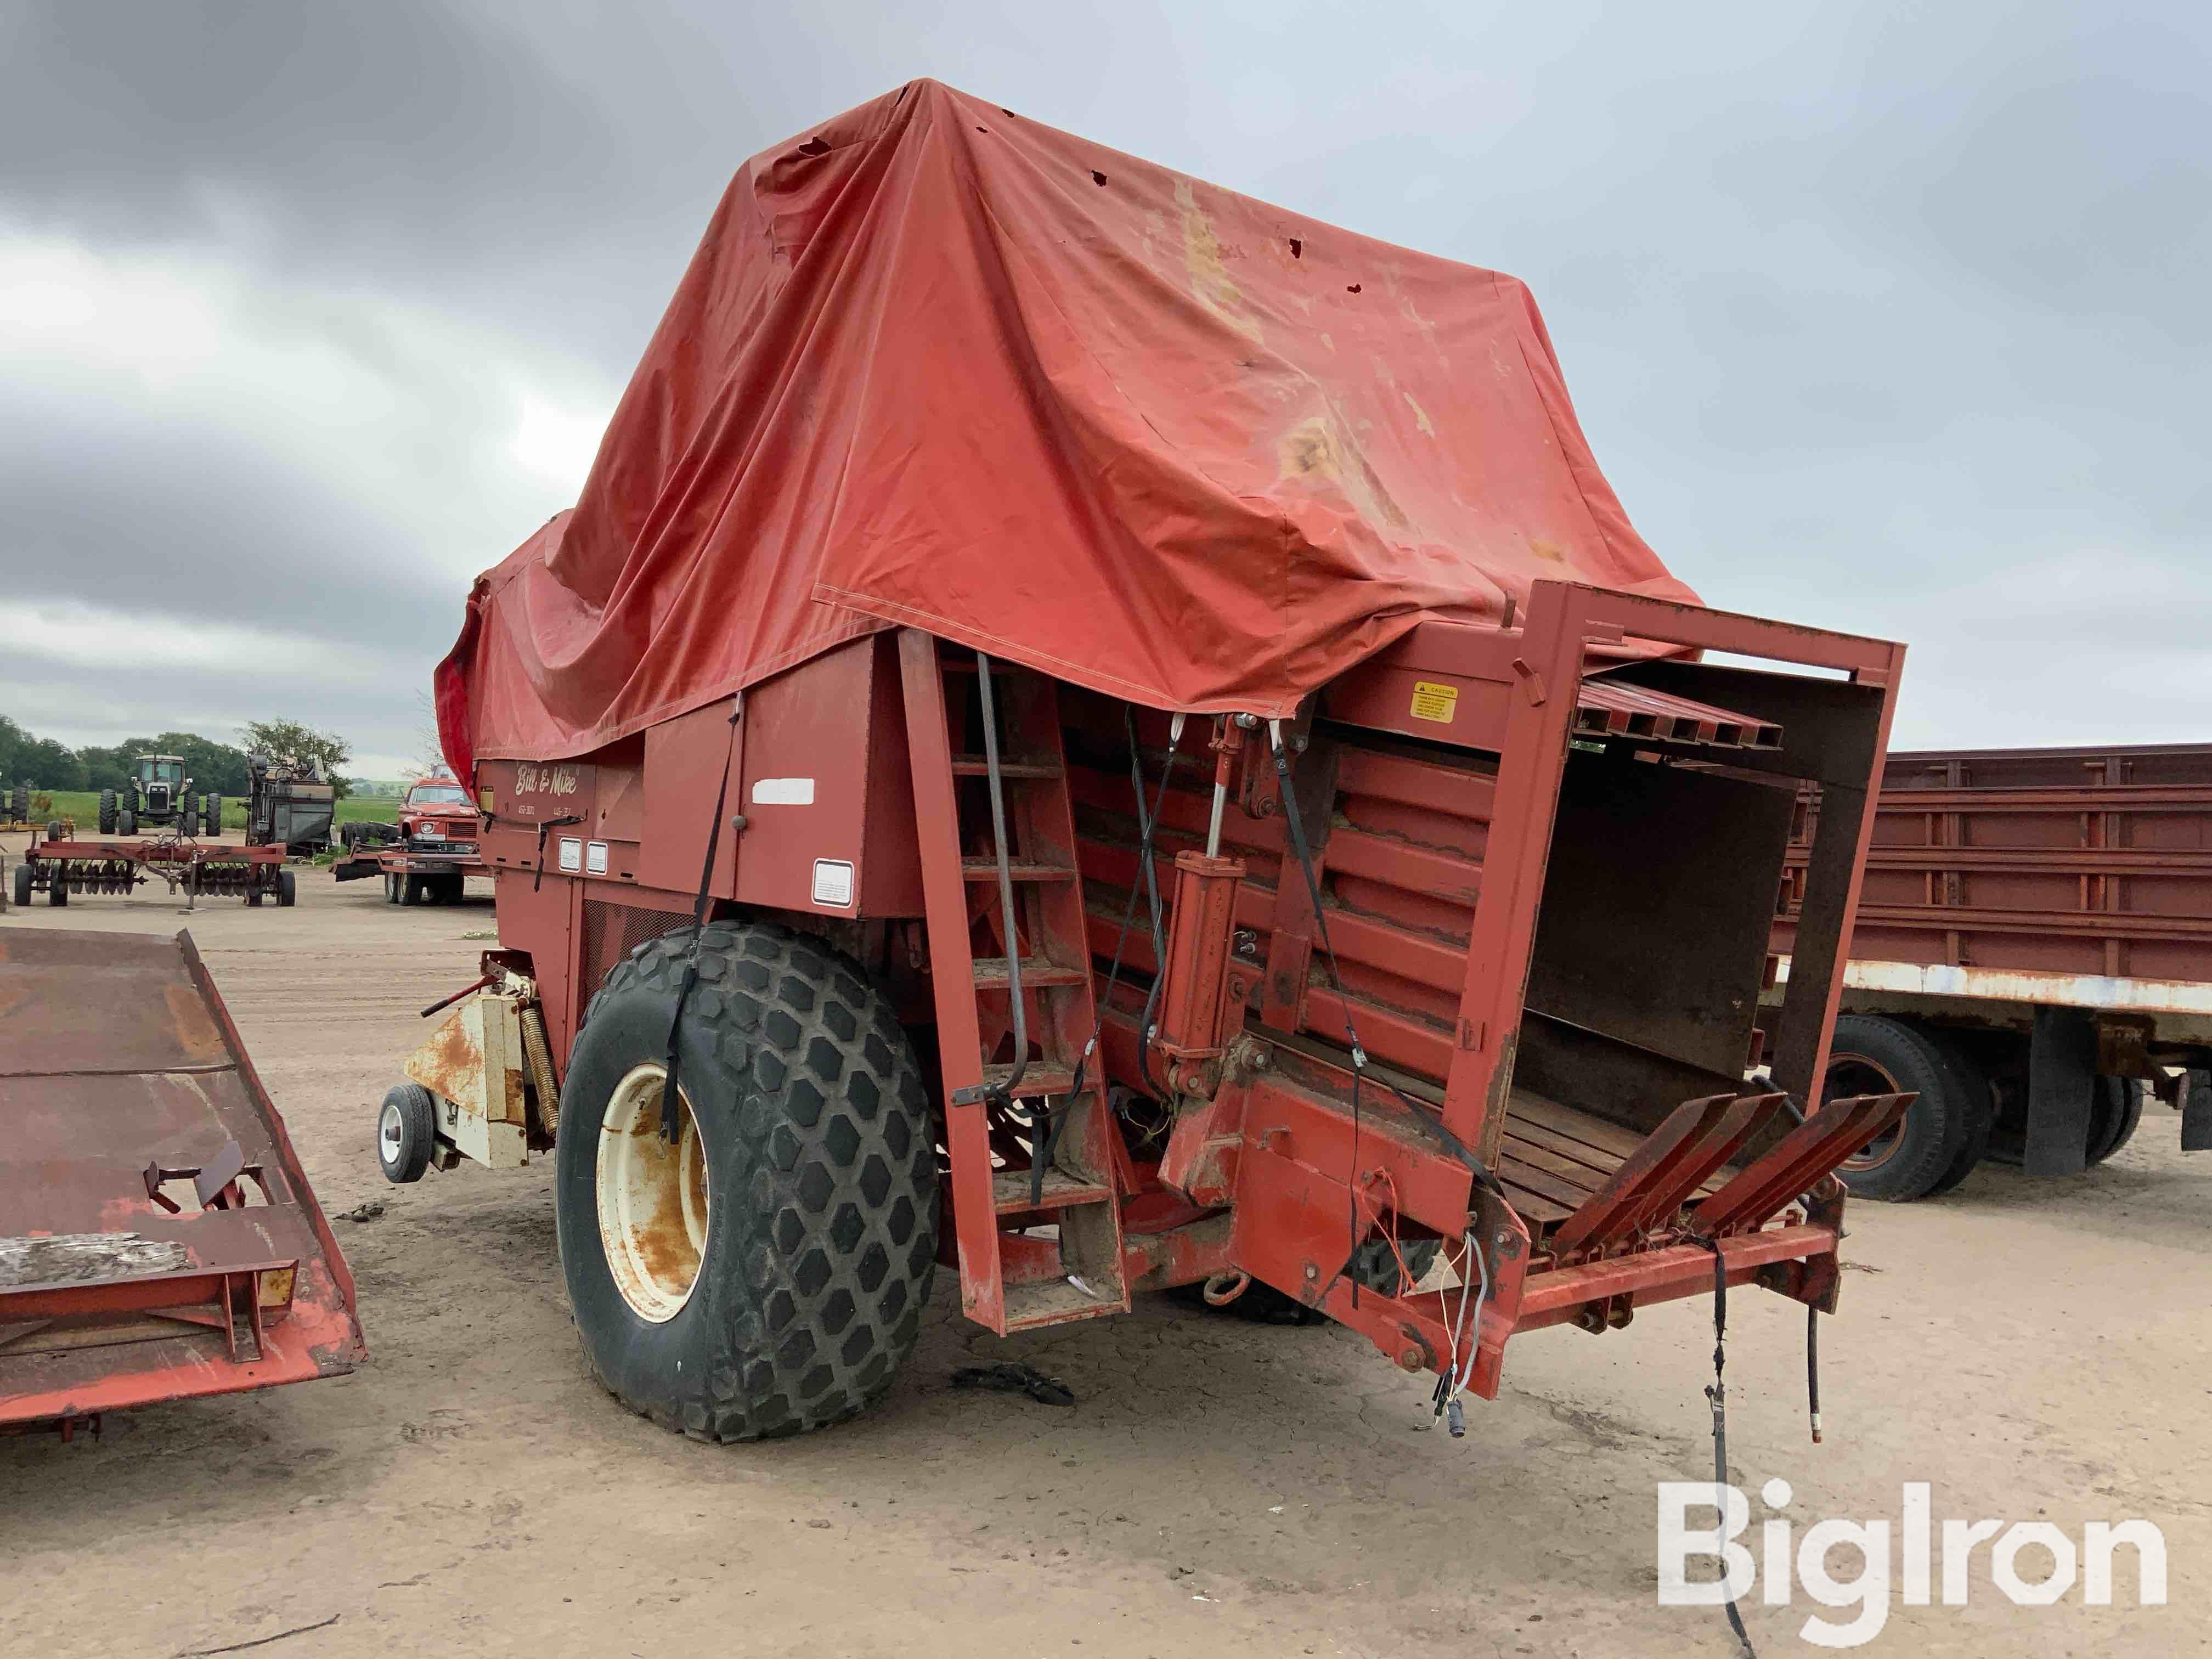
2035	1350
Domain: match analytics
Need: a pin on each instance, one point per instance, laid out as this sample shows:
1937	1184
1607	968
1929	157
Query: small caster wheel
406	1124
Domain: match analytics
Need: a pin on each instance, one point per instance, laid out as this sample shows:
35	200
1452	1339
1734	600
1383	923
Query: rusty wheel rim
654	1204
1856	1075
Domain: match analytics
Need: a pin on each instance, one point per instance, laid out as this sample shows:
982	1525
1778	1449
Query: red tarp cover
936	364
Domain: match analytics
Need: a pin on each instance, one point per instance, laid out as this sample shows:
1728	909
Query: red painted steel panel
158	1077
2096	861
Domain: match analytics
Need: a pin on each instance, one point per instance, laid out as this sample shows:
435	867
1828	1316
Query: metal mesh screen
611	932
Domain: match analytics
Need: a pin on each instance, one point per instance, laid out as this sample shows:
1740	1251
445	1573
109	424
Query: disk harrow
65	869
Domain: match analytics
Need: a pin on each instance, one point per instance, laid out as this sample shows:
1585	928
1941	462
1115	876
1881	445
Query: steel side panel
803	783
151	1017
684	762
2060	877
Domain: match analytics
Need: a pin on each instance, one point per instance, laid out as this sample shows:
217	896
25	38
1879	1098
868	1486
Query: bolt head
1409	1359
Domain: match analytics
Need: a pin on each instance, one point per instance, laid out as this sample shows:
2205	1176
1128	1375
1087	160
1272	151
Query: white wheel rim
652	1198
389	1132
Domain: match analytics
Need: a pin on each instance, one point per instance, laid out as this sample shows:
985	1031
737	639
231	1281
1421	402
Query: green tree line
216	767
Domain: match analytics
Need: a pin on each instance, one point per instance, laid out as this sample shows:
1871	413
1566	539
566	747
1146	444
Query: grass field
83	805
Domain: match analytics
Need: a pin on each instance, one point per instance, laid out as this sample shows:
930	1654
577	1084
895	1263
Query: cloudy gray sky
1891	318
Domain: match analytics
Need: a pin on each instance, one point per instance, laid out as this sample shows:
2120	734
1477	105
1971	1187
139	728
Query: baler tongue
161	1240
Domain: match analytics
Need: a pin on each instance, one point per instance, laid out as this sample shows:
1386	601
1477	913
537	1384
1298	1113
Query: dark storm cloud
381	132
1884	318
201	525
531	156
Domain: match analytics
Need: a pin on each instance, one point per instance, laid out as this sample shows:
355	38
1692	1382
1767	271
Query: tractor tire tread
835	1161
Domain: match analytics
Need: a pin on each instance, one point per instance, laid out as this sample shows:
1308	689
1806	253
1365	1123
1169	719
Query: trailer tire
126	821
1872	1054
288	890
211	813
23	873
107	812
55	829
406	1129
798	1293
390	888
2115	1116
2115	1111
57	886
1977	1102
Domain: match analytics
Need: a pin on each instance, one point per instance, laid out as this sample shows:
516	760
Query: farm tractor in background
158	793
427	855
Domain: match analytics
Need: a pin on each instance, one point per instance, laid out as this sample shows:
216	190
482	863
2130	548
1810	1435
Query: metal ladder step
986	869
975	766
1039	1077
1010	1192
1054	1302
992	975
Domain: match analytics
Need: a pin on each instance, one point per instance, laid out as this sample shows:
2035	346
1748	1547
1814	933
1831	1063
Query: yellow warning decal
1432	701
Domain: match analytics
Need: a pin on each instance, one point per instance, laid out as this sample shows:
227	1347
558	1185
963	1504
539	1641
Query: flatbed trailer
411	875
67	867
2033	948
158	1239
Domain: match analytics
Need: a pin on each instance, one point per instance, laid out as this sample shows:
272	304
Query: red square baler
1115	737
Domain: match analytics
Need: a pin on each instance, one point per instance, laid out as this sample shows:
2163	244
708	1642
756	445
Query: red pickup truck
427	855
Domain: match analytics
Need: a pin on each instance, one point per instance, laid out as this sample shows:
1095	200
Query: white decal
545	780
783	792
595	859
572	853
833	884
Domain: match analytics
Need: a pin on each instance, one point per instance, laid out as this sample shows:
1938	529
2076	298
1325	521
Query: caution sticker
1432	701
